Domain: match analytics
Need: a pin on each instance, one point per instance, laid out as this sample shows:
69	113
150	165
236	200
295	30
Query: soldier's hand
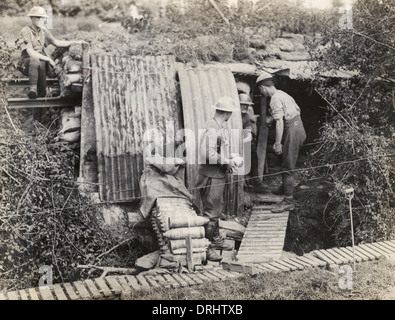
278	148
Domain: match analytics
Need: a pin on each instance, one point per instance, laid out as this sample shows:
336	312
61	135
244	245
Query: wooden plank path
264	236
116	286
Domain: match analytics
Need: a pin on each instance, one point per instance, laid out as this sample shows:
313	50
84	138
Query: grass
370	282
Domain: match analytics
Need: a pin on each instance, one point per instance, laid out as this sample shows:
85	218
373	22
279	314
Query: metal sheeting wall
130	95
200	88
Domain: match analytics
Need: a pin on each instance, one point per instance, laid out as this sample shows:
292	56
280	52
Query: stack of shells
174	220
68	69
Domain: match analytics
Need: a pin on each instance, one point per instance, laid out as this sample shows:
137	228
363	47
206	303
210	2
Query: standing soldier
249	123
290	136
214	164
34	61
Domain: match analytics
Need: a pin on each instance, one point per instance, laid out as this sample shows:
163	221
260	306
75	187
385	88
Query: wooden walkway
264	237
113	287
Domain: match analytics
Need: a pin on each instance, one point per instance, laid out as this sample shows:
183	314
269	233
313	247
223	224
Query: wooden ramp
265	234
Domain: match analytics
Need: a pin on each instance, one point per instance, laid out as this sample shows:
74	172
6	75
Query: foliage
359	132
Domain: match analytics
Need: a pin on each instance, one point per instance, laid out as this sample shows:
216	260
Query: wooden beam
88	175
262	138
57	102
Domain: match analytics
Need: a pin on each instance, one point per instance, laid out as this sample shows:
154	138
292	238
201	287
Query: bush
358	147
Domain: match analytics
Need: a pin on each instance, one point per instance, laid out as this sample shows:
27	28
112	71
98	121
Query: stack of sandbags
69	70
175	221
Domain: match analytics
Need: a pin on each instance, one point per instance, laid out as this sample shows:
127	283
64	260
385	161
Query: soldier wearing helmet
34	60
290	136
215	163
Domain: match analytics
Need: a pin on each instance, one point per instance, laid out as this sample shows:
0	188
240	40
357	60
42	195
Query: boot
218	242
211	255
285	205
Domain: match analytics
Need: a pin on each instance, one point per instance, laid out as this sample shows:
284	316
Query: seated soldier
34	61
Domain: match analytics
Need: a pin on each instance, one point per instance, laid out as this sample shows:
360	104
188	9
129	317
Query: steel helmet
243	87
226	104
245	99
264	76
38	12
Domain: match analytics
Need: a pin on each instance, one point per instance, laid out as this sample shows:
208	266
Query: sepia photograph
198	156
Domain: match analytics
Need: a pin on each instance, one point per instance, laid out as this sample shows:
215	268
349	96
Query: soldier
34	61
215	164
290	136
249	122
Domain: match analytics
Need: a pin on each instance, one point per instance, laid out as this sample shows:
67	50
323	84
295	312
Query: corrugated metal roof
200	88
130	96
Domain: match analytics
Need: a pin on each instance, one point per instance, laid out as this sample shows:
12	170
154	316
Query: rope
197	188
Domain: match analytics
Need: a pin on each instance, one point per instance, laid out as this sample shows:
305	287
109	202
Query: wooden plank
288	265
114	284
144	284
392	249
189	256
124	284
360	250
217	274
56	102
377	250
162	281
33	294
93	289
59	293
2	296
238	267
46	293
203	277
133	282
294	262
82	291
211	276
320	262
261	268
382	248
338	255
103	288
346	255
227	274
171	280
13	295
331	256
271	267
23	294
152	282
321	256
188	280
180	280
70	291
390	243
195	278
367	249
304	262
358	253
278	265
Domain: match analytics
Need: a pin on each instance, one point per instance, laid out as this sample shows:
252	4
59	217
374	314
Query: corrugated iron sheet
200	88
130	96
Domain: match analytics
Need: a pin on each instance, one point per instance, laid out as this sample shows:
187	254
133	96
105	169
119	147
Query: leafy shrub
359	132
